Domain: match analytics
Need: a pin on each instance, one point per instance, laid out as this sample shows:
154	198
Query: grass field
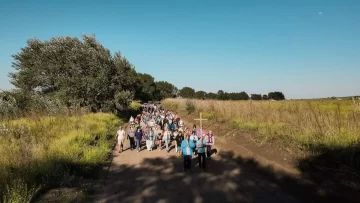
311	124
46	152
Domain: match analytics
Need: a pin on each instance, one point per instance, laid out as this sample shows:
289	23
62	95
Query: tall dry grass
315	124
51	151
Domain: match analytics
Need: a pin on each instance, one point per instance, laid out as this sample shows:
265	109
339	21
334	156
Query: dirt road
156	176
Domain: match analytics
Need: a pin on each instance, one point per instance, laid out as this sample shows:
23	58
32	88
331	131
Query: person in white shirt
166	139
120	136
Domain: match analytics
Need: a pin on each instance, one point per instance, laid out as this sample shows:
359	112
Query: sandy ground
157	176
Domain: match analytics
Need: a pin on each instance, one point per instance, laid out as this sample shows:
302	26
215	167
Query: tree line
84	73
188	92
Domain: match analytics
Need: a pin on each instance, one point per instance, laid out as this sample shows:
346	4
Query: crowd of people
160	129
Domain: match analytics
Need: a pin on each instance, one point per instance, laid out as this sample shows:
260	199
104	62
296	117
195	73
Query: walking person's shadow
227	179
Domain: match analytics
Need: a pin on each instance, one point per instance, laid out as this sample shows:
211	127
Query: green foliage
165	90
187	92
78	73
19	103
200	94
222	95
147	88
276	95
256	97
211	95
135	106
18	191
190	107
51	151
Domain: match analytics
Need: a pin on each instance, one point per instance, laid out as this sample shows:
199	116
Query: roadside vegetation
310	126
51	151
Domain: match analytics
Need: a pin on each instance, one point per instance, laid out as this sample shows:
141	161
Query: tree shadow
336	170
227	179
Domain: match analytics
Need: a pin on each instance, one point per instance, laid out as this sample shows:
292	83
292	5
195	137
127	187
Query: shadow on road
228	179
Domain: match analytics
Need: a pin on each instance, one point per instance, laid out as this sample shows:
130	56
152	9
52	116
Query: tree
265	97
200	94
164	90
79	73
147	85
243	96
187	92
256	97
211	95
221	95
276	95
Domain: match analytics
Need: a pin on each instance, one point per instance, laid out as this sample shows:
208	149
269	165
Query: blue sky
304	48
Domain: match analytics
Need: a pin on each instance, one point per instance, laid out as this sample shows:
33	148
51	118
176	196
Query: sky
304	48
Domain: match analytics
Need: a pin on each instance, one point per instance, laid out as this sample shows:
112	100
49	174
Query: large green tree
147	87
187	92
256	97
276	95
165	90
200	95
78	72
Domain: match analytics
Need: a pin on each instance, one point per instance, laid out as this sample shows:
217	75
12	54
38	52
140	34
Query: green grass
310	124
46	152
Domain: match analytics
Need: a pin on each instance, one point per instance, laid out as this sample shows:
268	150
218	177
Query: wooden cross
201	119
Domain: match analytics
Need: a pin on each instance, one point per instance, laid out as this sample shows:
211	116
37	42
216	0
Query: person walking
138	138
201	145
148	138
194	129
166	139
179	138
210	143
159	134
194	139
201	132
120	136
131	137
176	133
187	147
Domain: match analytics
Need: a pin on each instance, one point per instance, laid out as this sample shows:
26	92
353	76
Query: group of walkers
160	128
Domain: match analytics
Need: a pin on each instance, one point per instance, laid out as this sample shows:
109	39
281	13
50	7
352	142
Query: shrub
135	106
190	107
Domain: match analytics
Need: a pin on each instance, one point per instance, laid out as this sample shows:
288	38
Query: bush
190	107
15	104
135	106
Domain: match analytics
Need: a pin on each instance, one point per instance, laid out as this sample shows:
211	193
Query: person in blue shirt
187	148
201	144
